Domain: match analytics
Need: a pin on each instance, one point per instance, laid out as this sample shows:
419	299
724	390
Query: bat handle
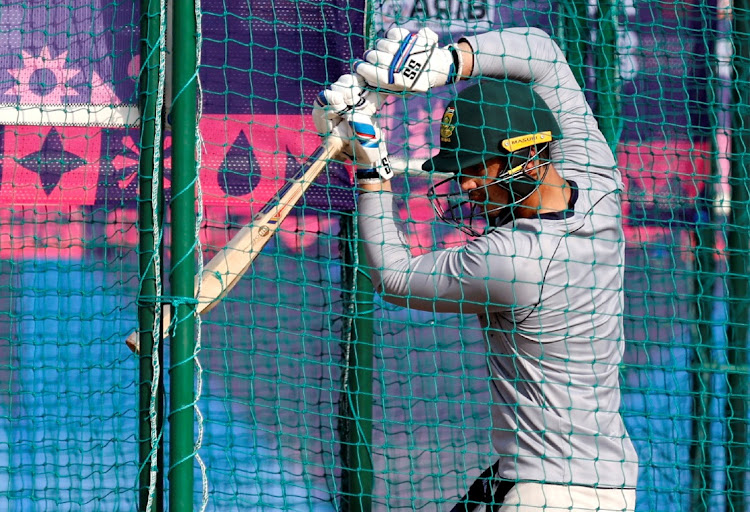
377	96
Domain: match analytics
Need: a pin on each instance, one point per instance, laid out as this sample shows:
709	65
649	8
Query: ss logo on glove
412	69
385	163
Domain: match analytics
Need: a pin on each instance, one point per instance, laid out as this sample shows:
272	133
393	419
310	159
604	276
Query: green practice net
301	408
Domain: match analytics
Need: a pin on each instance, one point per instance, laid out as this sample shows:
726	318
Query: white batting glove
406	62
347	110
341	98
369	152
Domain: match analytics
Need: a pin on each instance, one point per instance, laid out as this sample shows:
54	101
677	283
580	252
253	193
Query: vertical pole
607	75
356	404
183	215
701	370
358	475
702	364
576	38
705	279
361	387
150	143
738	250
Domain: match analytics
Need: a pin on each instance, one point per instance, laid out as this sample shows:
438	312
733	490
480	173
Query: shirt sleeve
479	277
529	55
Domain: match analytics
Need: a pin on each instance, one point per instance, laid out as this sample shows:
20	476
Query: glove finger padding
406	62
345	95
351	88
389	46
398	34
328	110
379	58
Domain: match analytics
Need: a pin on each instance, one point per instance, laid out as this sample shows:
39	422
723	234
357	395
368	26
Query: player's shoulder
598	210
524	238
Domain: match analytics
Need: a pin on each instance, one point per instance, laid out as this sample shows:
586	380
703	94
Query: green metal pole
150	143
356	402
575	40
181	372
607	76
705	277
361	388
702	371
738	250
705	280
356	410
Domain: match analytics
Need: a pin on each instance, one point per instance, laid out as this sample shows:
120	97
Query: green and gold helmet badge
447	127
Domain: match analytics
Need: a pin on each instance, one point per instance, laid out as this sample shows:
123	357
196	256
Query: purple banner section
664	54
68	53
262	57
262	65
665	51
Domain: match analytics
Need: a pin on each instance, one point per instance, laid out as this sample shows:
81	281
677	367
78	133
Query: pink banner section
663	180
665	175
244	160
29	232
53	178
666	192
50	166
42	233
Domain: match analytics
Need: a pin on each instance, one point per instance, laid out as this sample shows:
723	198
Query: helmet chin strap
504	215
519	191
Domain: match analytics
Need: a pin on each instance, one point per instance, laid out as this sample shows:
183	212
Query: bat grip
377	96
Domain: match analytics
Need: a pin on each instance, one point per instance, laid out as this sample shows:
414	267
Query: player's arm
414	63
530	55
487	274
461	281
522	54
490	273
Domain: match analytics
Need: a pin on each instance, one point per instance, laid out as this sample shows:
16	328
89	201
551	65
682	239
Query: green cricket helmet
488	120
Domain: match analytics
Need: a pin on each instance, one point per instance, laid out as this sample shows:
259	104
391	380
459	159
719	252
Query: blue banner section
68	426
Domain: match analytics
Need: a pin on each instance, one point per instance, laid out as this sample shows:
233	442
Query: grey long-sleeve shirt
547	290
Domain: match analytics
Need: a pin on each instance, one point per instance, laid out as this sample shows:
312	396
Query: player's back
556	361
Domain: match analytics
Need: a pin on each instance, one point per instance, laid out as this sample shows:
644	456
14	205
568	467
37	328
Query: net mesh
276	357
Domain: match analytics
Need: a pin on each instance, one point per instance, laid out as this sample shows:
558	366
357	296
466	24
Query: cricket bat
227	267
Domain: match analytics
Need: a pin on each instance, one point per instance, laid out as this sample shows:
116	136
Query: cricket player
536	184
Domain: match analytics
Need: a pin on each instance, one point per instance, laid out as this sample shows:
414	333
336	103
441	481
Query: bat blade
226	268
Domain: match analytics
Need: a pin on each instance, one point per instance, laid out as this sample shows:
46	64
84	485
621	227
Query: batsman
535	184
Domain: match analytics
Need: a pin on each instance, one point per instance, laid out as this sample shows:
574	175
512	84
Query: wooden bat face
228	266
